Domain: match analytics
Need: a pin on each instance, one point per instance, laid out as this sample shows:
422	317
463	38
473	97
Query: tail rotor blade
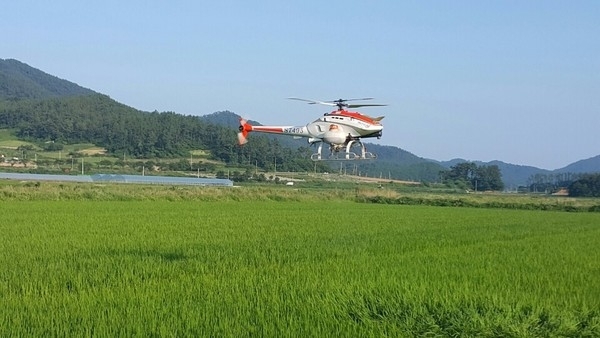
242	138
244	129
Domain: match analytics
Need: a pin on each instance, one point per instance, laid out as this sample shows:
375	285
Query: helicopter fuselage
353	125
341	129
336	128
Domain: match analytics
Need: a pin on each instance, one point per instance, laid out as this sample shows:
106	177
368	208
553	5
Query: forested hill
21	81
589	165
39	108
123	130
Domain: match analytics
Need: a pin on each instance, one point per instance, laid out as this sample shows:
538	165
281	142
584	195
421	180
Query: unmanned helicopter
341	129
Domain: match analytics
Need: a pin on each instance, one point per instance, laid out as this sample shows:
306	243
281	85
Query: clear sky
516	81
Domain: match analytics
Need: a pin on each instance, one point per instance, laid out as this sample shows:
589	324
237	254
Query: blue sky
516	81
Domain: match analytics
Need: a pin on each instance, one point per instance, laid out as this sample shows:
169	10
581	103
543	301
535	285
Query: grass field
294	268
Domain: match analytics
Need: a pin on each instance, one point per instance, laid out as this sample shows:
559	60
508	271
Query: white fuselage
341	129
329	125
336	128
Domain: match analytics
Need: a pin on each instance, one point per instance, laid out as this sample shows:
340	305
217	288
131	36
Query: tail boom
246	127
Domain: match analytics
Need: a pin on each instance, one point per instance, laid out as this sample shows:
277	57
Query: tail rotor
244	129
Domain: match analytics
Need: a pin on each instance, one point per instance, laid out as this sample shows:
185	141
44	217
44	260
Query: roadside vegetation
307	187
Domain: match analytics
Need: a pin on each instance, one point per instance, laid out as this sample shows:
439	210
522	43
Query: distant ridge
21	81
590	165
405	165
514	175
225	118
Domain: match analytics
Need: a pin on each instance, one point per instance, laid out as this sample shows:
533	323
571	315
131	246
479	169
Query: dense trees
551	182
478	178
588	185
120	129
123	130
51	111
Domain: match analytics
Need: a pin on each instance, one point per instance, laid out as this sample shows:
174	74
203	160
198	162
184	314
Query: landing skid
347	155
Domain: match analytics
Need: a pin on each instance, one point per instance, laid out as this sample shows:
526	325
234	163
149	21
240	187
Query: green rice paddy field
295	268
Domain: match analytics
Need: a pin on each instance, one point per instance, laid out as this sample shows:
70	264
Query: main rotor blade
346	100
313	101
364	105
341	103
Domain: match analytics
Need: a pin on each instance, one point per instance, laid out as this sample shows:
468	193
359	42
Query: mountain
21	81
401	164
590	165
225	118
44	107
513	175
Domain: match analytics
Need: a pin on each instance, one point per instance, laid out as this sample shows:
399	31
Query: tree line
470	176
551	182
123	130
577	184
480	178
588	185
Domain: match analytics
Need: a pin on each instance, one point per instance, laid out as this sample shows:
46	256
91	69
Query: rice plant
294	268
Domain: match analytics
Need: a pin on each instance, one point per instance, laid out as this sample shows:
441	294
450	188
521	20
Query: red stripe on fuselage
355	115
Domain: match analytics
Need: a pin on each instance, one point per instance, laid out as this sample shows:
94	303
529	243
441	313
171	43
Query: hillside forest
122	130
51	113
